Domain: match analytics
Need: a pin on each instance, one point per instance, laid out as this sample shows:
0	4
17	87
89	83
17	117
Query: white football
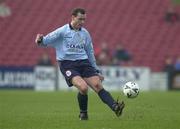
131	89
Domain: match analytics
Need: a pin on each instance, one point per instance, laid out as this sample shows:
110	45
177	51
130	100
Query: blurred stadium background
139	25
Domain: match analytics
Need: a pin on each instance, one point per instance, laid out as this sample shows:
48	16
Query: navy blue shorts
81	68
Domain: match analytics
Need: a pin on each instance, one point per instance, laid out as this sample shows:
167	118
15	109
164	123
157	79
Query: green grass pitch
59	110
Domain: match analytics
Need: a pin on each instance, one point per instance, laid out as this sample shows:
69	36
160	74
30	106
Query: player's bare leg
80	84
82	96
105	96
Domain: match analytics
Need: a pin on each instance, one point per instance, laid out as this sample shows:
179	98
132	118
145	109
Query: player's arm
90	53
91	57
50	39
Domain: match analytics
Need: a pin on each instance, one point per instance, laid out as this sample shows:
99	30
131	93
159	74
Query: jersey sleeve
90	52
52	38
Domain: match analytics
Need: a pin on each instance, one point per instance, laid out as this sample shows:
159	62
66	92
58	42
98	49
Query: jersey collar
70	26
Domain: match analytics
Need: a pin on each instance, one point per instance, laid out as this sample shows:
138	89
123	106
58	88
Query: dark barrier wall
16	77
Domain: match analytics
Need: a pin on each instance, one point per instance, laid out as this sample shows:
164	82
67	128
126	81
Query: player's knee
97	87
83	89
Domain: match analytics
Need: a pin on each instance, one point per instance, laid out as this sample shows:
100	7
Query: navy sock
106	98
83	102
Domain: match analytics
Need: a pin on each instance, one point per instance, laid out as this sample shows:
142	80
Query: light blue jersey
71	44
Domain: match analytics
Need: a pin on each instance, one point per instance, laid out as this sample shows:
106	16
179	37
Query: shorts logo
68	73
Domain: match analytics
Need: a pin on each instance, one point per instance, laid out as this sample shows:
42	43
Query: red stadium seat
138	24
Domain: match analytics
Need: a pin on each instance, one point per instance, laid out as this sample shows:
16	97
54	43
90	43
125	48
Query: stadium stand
139	24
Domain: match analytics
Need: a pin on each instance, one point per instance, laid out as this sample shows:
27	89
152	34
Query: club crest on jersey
68	73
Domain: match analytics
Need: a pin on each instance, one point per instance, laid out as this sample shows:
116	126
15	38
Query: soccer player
75	55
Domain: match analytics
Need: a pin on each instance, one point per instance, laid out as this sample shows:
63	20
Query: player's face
78	20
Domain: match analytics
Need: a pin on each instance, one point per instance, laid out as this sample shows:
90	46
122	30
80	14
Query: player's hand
38	39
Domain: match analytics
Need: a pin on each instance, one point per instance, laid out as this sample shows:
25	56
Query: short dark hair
78	10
